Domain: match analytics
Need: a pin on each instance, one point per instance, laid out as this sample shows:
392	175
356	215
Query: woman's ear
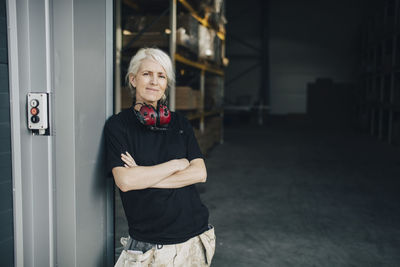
132	80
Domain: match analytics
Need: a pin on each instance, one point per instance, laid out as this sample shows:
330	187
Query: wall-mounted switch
38	113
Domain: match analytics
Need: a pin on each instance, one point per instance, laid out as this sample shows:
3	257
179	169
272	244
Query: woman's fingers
128	162
128	159
129	156
125	160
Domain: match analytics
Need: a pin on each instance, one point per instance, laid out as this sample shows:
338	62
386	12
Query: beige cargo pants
195	252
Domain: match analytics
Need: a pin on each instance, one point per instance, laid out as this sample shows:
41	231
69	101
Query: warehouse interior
296	109
318	183
295	105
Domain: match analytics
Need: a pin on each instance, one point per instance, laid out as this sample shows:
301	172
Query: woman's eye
162	76
145	73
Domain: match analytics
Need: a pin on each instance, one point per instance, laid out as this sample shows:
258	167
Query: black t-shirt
159	216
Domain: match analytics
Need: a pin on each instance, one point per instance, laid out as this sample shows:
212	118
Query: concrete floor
290	194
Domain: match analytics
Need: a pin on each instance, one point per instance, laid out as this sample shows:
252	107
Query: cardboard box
187	98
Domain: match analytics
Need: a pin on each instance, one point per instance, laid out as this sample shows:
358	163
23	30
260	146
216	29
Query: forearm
195	173
141	177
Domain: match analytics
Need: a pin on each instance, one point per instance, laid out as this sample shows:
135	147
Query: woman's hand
129	161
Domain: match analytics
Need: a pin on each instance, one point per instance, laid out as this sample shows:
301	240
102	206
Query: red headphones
154	119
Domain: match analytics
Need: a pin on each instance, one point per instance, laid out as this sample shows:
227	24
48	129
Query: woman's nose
154	80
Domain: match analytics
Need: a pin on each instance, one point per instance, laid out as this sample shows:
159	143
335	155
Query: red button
34	111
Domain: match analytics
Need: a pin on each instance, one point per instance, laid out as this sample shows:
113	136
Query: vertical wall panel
90	83
6	200
80	112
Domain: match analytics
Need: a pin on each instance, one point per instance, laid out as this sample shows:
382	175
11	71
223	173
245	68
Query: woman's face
150	82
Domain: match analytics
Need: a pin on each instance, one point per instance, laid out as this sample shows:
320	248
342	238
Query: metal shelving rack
379	95
205	69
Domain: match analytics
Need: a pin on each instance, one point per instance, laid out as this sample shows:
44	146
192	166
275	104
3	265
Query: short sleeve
193	149
116	143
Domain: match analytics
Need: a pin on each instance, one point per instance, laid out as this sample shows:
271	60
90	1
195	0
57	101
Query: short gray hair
158	56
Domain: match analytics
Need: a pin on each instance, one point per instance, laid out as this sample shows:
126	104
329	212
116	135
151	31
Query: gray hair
158	56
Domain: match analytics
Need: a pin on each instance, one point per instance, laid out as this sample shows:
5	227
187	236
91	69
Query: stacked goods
216	16
187	98
187	32
155	35
201	6
212	10
209	46
206	43
217	51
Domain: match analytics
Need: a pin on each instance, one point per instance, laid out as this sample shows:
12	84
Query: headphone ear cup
149	115
153	117
165	115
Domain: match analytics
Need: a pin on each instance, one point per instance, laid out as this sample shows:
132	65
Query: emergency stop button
34	111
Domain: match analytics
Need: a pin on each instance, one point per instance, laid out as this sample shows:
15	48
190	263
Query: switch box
38	113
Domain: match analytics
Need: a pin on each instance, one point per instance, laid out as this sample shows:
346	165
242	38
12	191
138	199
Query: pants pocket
208	241
131	258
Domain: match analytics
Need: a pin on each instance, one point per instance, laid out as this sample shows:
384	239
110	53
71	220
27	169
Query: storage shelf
199	115
198	74
378	97
210	78
203	21
198	65
131	4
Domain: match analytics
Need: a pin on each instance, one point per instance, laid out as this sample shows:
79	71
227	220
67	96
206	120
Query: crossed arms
175	173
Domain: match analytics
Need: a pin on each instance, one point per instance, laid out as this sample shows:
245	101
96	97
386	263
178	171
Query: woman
156	168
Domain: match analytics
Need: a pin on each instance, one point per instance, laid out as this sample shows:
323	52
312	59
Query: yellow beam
131	4
203	21
198	65
203	114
